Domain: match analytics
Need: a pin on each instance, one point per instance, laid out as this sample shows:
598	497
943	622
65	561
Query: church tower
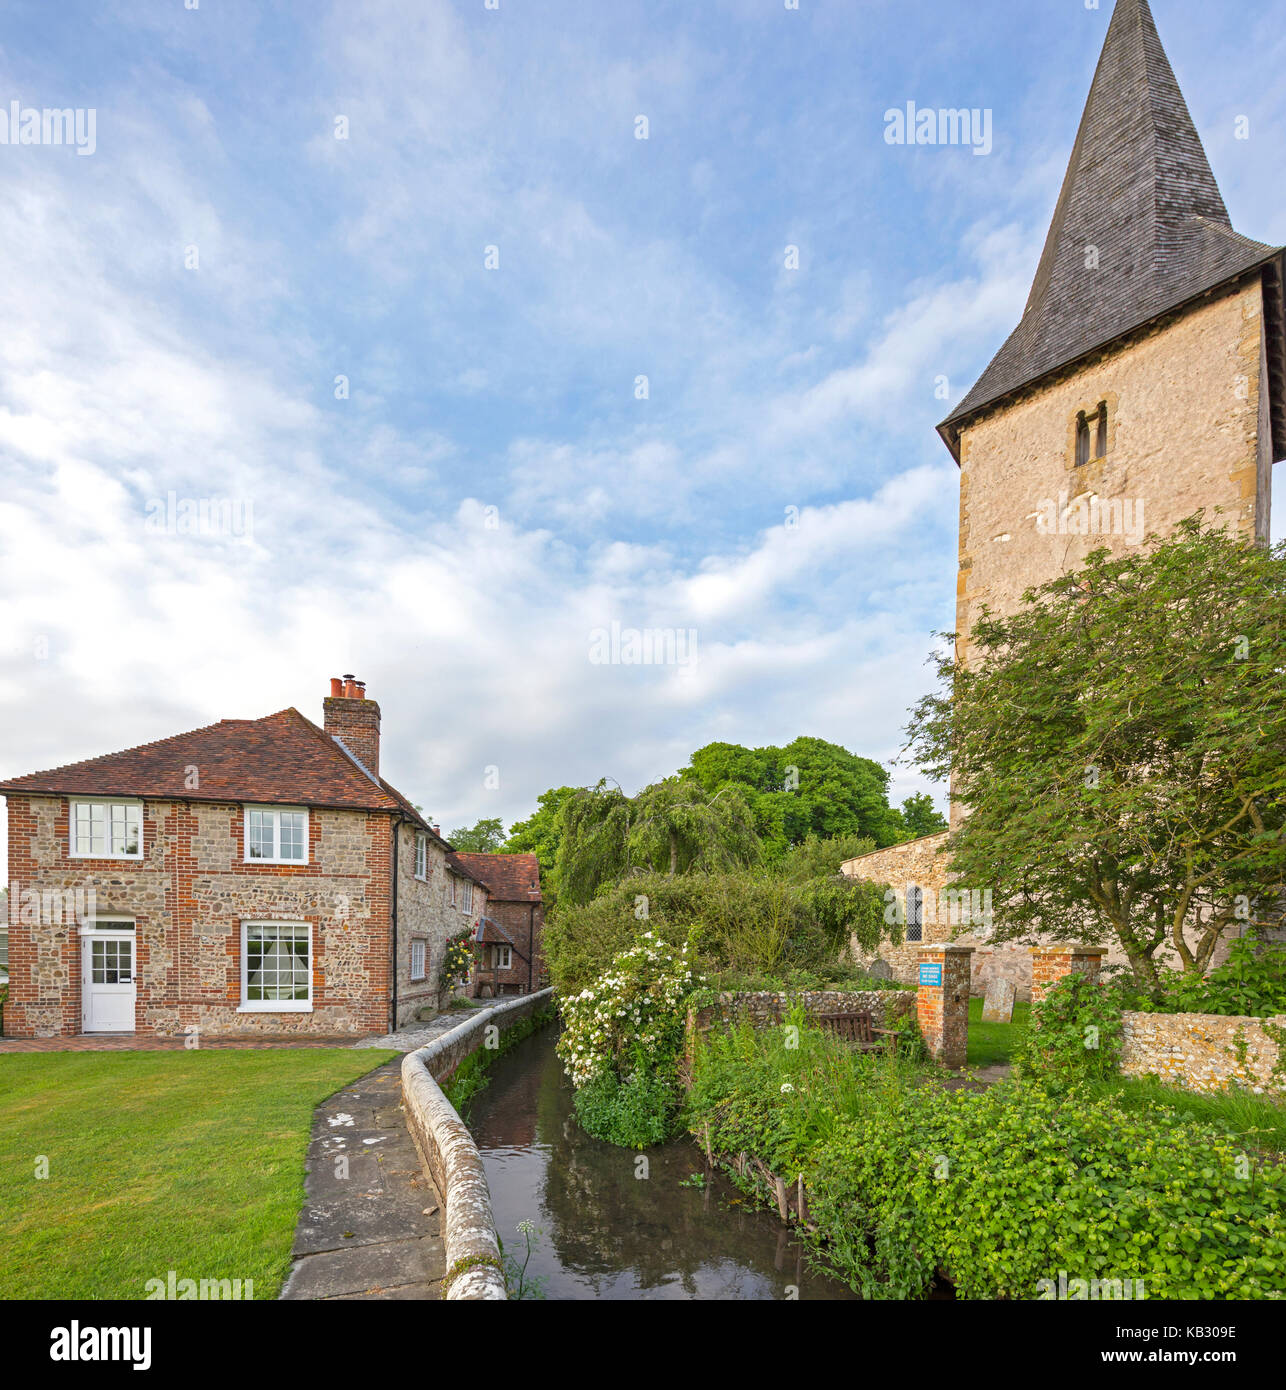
1148	375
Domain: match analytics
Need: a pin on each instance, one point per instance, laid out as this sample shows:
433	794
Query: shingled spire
1140	228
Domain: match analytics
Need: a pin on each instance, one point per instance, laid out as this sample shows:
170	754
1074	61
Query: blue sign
931	975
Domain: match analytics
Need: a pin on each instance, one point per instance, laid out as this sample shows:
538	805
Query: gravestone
880	970
998	1002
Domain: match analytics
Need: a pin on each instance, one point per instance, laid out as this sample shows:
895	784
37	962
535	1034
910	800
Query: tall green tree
673	827
921	816
541	832
809	786
1120	749
485	837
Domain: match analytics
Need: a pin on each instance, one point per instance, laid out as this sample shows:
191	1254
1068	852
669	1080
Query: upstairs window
276	837
106	829
1091	435
466	896
421	856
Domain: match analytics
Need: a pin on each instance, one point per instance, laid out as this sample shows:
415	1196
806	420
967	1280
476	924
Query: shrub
1251	981
746	922
1075	1032
633	1113
457	961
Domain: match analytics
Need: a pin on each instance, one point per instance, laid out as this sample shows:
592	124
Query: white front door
107	981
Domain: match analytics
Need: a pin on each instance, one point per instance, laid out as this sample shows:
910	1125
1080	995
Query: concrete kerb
451	1158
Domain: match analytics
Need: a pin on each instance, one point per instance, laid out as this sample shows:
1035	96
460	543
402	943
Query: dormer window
1091	433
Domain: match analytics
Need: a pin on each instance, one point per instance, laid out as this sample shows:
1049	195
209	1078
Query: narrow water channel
602	1230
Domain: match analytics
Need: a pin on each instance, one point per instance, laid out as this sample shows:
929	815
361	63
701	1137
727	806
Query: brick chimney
352	718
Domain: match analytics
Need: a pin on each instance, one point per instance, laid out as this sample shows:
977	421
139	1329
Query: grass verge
190	1161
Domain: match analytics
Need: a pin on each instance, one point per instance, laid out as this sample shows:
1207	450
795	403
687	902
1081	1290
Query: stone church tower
1146	379
1148	375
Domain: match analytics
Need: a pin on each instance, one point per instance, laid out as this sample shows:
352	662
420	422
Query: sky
466	371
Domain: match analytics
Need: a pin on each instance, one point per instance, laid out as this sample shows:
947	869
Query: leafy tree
921	817
1118	748
815	857
541	832
674	826
807	786
485	837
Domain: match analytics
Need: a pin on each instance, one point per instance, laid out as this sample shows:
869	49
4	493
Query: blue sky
491	489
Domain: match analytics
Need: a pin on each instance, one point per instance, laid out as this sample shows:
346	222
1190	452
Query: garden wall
764	1008
1204	1052
449	1155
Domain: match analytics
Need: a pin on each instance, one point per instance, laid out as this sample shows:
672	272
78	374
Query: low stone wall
1204	1052
449	1155
764	1008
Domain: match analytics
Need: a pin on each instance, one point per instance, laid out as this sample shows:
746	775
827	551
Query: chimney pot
336	687
350	688
437	830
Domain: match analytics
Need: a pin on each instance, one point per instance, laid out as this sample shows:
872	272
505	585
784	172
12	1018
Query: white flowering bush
631	1018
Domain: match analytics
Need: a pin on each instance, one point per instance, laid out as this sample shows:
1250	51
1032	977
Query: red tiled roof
281	759
509	878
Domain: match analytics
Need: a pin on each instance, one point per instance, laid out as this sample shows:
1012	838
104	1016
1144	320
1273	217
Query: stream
603	1230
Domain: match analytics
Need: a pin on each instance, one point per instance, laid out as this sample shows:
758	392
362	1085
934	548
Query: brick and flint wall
188	897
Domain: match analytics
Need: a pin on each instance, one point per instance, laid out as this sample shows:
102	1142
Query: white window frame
274	1006
422	949
504	957
455	883
109	804
422	857
276	812
467	905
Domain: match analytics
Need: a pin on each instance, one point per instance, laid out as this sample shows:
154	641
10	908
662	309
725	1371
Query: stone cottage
1146	379
258	876
507	944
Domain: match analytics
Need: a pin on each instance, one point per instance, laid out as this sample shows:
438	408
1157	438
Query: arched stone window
914	913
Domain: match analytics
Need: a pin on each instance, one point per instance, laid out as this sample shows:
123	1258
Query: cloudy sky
387	276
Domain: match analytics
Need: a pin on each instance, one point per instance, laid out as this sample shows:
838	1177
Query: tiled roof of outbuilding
509	878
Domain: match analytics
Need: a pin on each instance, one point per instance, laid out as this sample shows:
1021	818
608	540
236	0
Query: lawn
157	1161
1261	1123
990	1043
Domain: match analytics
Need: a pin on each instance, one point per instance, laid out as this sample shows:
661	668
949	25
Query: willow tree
674	826
1119	747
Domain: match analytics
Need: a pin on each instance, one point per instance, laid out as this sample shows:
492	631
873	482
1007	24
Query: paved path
371	1224
411	1039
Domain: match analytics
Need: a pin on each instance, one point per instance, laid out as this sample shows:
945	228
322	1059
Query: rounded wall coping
469	1233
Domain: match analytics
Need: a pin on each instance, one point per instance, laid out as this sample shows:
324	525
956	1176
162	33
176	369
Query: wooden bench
858	1030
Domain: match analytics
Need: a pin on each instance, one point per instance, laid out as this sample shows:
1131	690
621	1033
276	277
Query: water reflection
606	1232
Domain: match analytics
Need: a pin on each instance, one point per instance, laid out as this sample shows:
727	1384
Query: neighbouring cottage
255	876
507	942
1146	379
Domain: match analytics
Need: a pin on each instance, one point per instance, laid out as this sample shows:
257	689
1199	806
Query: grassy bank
1001	1189
157	1161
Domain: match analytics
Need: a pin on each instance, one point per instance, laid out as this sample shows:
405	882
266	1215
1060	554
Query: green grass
990	1044
1260	1122
190	1161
